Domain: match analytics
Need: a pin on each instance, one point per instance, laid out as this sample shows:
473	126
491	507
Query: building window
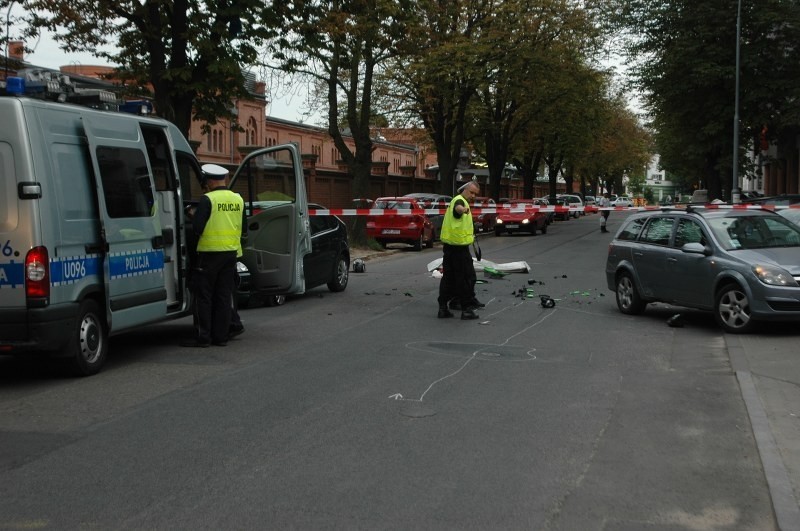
251	134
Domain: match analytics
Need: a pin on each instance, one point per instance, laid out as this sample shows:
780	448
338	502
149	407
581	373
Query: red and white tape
517	209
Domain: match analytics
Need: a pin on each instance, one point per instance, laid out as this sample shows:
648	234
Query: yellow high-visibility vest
457	231
224	228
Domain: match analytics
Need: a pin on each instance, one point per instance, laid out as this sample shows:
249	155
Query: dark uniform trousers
458	279
214	285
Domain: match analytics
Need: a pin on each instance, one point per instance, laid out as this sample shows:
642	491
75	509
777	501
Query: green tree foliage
342	45
435	77
683	58
190	52
535	75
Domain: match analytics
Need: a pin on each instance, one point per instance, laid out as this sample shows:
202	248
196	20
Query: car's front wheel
732	310
544	228
628	300
340	275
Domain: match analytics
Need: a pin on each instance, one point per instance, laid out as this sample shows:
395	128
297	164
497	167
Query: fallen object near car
508	267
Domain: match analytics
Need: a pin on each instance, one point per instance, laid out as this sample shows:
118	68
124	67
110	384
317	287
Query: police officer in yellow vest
219	222
457	286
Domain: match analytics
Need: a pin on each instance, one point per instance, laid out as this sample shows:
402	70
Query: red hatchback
484	221
414	229
521	217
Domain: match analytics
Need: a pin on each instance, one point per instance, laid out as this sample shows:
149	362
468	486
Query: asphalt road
362	410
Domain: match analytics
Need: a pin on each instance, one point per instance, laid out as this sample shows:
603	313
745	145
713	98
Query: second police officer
218	222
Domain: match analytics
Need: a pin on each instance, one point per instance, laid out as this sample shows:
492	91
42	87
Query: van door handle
96	248
158	242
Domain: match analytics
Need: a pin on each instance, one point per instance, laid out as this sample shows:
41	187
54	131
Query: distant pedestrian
604	202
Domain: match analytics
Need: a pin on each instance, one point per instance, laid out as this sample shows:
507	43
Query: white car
573	202
622	201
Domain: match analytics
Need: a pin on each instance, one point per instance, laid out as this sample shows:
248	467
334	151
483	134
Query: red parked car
519	217
484	221
413	229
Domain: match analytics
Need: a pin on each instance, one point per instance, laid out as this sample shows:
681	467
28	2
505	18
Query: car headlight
525	221
498	221
241	268
774	276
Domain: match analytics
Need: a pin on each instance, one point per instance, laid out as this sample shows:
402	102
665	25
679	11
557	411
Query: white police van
93	235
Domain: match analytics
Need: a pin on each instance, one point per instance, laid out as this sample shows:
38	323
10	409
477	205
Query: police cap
214	171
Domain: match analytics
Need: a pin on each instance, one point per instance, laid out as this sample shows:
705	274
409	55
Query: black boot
467	315
444	313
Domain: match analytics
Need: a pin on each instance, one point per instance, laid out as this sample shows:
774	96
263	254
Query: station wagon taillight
37	274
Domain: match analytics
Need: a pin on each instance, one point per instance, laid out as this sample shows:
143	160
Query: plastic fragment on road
490	272
676	321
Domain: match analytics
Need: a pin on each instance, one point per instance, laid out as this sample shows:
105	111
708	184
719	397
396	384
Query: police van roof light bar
59	87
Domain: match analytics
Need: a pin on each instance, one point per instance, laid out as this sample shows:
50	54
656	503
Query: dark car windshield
754	232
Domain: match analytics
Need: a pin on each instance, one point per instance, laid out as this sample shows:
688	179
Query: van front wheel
87	346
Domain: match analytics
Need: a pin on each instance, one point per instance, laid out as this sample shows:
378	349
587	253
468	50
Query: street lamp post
735	193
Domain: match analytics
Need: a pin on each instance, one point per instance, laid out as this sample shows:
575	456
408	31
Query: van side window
159	154
72	171
126	182
189	177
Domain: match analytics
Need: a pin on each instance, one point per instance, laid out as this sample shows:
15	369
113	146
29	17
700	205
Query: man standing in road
458	278
604	203
218	223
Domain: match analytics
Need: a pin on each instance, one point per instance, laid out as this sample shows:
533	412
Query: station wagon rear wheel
732	310
87	346
341	275
628	300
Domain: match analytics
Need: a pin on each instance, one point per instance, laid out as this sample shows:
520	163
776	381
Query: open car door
272	183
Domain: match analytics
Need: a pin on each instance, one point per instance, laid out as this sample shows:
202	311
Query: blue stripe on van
136	263
12	275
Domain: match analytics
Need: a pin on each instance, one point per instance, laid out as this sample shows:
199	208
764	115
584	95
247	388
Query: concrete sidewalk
768	369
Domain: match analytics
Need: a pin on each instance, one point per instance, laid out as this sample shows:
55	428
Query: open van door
272	183
132	245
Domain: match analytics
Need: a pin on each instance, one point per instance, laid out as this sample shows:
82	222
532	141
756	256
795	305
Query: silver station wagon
742	264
